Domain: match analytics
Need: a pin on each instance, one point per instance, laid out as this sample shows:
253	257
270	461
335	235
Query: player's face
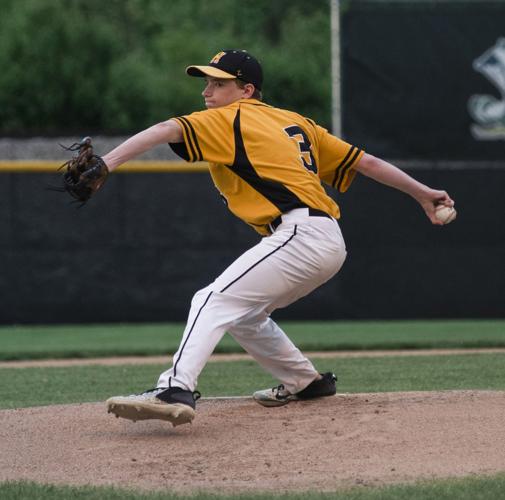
218	92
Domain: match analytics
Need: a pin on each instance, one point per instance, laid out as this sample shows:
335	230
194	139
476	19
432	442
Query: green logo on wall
487	110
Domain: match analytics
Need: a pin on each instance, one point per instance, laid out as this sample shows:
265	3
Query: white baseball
445	214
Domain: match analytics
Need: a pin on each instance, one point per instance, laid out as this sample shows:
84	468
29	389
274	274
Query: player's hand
431	199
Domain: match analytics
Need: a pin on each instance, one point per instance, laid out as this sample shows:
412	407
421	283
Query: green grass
469	488
21	387
64	341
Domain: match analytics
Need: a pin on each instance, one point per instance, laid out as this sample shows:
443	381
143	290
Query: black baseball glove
85	173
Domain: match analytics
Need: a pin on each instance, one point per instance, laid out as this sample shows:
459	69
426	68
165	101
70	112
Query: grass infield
470	488
82	341
238	378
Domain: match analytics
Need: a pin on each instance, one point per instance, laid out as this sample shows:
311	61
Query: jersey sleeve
207	135
337	160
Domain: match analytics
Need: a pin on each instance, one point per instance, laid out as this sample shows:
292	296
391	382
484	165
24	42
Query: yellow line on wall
138	166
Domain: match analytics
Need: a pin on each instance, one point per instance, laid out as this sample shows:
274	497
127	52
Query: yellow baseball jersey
266	161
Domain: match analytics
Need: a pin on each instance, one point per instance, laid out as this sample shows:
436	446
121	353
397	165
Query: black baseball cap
231	64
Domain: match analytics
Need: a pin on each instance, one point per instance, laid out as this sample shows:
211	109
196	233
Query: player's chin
210	104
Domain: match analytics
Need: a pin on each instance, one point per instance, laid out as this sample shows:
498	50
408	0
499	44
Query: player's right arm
386	173
161	133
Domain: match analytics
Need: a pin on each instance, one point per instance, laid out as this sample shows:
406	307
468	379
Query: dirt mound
236	445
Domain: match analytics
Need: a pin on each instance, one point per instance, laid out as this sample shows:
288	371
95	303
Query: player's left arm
161	133
386	173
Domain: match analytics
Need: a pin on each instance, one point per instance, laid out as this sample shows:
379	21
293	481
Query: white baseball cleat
279	396
276	396
174	405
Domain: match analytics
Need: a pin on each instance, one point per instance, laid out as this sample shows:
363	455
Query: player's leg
213	310
174	397
272	274
267	343
211	314
271	348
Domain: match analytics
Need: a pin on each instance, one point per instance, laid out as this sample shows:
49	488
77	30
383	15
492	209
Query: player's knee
200	296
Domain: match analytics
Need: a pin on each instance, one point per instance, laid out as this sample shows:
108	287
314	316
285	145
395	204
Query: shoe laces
146	394
155	390
196	394
280	391
150	391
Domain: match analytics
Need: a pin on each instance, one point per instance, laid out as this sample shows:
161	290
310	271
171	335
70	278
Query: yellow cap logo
217	57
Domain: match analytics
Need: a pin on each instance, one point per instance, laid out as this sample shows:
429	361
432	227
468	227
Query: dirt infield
143	360
236	445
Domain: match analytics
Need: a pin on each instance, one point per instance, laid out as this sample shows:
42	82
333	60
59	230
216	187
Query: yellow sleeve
337	160
208	135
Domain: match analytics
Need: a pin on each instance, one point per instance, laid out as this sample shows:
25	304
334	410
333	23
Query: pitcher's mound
236	445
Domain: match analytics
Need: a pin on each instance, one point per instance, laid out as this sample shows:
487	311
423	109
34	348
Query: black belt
313	212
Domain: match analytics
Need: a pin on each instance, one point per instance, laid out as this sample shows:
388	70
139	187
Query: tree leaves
72	66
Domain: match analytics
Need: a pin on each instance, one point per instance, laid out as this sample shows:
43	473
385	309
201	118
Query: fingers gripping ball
445	214
85	173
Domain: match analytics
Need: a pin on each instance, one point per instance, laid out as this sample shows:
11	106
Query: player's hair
257	93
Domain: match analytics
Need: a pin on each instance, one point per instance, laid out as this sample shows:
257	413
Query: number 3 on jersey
304	145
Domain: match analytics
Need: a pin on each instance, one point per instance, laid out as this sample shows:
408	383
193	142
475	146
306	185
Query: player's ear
249	89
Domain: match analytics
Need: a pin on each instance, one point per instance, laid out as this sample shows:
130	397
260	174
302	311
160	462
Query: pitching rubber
176	414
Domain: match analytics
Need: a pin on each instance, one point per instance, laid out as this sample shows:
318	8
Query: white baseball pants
303	253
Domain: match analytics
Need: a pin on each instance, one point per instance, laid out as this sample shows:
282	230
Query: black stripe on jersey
192	152
193	135
180	149
187	338
275	192
347	167
343	162
261	260
312	122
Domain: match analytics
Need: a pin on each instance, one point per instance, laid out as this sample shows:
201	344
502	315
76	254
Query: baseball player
267	164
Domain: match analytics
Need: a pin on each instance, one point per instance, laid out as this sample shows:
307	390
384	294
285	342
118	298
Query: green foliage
119	65
53	56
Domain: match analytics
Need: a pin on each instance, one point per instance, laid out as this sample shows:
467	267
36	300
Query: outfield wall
147	242
422	81
425	79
